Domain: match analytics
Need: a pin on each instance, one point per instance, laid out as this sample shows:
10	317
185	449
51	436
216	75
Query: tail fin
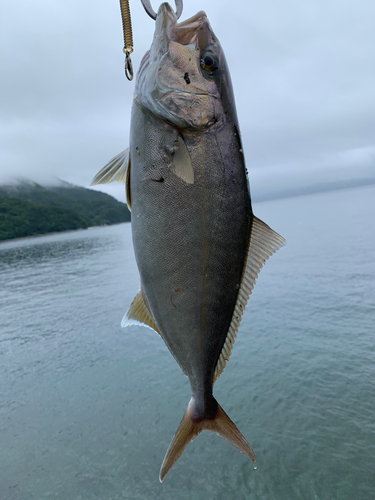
189	428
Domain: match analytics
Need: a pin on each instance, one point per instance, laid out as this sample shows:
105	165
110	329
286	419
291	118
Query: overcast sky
303	73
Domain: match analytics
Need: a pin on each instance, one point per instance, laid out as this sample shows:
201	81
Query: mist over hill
28	208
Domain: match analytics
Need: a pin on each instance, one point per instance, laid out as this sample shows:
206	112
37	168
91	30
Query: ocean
87	409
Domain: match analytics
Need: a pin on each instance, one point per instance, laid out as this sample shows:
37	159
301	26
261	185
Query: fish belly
190	238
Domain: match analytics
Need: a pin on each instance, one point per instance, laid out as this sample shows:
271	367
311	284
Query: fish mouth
185	32
189	33
170	80
168	29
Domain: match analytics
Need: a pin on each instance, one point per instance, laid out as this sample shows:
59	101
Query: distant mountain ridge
319	187
28	208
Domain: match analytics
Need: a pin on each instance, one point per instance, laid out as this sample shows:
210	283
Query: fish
198	245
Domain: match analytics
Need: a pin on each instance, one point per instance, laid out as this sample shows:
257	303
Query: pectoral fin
263	243
181	164
116	170
138	314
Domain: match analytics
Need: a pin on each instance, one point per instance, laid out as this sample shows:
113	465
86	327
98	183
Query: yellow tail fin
189	428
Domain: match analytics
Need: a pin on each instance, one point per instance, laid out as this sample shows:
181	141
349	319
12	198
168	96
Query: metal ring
128	66
150	11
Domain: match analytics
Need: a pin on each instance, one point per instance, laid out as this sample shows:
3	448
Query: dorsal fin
116	170
263	243
138	314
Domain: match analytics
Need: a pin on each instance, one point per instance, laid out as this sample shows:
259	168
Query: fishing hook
150	11
128	38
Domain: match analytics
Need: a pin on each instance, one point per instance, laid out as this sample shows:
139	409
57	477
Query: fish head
184	78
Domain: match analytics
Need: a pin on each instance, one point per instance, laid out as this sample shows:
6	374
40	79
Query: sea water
87	410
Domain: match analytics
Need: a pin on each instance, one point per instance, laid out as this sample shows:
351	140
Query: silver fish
198	246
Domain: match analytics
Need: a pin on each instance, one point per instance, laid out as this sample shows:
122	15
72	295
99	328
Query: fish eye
209	62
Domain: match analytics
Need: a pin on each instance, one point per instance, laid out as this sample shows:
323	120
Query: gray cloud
303	75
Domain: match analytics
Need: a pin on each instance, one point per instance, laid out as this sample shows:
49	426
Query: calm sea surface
87	410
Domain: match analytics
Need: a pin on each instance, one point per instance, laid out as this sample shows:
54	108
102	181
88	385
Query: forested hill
28	209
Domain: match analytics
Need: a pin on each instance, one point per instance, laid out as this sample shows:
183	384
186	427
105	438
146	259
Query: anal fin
138	314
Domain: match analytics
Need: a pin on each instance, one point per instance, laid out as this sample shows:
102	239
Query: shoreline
60	232
273	197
